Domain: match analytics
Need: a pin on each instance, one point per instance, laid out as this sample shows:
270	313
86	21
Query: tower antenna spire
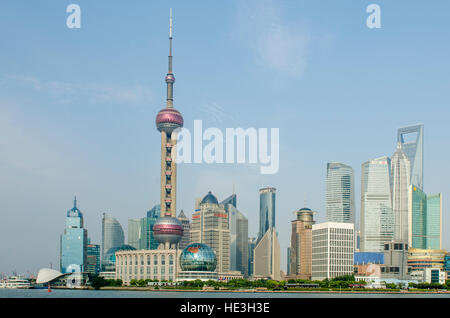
170	79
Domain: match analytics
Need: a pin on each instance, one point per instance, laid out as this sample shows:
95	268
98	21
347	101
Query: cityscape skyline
117	199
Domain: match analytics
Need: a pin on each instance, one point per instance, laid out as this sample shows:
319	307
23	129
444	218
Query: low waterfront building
226	277
419	260
434	276
396	261
159	264
108	274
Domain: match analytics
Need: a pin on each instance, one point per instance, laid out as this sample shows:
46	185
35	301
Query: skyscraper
210	225
301	244
377	220
411	139
230	200
93	259
434	221
417	209
266	255
400	180
425	219
238	237
135	233
266	263
148	241
251	254
73	243
266	210
112	234
340	197
168	230
186	239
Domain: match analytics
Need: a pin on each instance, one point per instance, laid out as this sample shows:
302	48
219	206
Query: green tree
98	282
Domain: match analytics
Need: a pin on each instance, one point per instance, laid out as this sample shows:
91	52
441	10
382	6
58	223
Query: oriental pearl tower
168	230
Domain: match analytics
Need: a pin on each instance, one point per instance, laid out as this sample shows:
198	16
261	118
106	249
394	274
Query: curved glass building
112	234
109	261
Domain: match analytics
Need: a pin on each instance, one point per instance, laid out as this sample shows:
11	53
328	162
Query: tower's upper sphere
169	119
168	230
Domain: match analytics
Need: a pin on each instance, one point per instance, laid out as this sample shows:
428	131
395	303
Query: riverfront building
160	264
332	250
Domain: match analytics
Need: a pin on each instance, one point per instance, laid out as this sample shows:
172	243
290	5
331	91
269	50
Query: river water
72	293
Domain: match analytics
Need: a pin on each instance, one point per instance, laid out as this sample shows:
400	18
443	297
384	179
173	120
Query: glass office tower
411	139
266	210
238	224
112	234
340	196
148	240
135	233
434	222
400	172
93	259
425	215
73	243
377	219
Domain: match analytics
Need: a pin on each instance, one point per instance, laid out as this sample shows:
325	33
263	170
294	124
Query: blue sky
77	106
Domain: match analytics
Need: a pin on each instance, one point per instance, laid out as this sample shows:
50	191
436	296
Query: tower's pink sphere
169	119
168	229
